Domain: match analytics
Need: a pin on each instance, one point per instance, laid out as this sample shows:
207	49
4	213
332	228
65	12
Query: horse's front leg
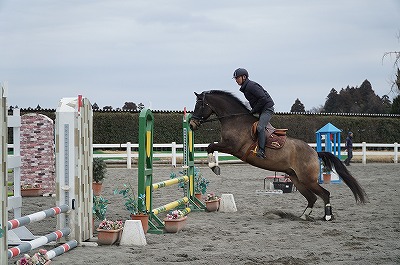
212	163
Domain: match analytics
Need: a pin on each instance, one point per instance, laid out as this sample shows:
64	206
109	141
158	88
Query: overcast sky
159	52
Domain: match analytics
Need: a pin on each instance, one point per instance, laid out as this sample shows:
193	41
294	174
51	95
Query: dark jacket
258	98
349	142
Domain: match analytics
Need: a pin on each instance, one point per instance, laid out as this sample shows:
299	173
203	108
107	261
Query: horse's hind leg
310	196
325	195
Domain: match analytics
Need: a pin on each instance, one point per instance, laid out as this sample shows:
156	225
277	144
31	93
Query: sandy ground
264	230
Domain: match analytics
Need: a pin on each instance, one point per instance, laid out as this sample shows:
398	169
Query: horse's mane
229	95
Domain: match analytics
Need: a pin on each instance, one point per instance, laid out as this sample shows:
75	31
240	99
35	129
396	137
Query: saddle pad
275	138
275	141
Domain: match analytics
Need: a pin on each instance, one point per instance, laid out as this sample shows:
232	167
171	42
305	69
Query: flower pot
144	218
174	225
326	178
213	205
199	196
107	237
96	187
31	192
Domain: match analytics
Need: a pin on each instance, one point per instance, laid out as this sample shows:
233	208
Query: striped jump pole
61	249
38	216
35	243
170	182
170	205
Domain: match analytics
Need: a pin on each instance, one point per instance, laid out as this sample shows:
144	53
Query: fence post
364	153
128	155
396	153
3	175
173	151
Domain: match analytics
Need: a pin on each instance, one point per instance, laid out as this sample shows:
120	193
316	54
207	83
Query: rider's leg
265	117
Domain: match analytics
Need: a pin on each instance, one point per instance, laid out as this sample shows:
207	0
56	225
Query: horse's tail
332	162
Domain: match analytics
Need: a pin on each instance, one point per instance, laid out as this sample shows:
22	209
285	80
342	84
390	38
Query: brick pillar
37	151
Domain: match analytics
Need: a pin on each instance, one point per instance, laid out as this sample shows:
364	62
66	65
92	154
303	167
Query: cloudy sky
159	52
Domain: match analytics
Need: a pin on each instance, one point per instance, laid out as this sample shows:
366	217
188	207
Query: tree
317	109
129	106
396	55
331	101
396	105
95	106
107	108
140	106
297	106
356	100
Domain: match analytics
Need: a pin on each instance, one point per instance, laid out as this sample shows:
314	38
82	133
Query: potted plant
31	189
39	258
99	207
200	184
135	205
99	173
212	202
108	232
326	174
174	221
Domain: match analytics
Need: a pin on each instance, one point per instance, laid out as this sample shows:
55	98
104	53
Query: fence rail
175	151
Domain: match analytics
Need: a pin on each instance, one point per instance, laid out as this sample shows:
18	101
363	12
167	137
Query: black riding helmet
239	72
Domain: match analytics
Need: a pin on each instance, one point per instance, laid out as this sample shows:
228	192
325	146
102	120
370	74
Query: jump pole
38	216
35	243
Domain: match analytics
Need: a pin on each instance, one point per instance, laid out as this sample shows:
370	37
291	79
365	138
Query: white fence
176	151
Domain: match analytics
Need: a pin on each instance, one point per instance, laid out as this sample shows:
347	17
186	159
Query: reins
222	117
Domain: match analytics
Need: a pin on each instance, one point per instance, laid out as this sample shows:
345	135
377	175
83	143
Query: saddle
274	138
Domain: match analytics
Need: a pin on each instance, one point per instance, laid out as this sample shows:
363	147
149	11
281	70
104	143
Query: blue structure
330	136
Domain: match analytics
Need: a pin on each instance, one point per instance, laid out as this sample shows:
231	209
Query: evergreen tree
331	101
297	106
396	105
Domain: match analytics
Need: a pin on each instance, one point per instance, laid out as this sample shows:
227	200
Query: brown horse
296	158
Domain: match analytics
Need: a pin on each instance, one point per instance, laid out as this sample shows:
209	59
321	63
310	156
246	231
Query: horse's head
202	111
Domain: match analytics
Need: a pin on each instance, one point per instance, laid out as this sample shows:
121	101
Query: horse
295	158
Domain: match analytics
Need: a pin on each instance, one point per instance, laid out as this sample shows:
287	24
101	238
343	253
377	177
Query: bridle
201	120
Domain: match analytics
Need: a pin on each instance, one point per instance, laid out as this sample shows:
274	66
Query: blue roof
328	128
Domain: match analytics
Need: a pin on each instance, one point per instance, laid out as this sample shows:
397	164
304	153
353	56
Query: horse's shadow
277	214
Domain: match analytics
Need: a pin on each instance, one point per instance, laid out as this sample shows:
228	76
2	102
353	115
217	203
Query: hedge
121	127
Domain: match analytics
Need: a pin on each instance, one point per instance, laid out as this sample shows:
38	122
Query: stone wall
37	151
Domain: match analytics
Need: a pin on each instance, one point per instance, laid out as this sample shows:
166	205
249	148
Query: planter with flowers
38	258
175	221
135	205
109	232
99	173
212	202
31	190
326	175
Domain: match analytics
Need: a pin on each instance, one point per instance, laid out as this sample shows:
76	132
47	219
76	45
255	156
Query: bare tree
396	55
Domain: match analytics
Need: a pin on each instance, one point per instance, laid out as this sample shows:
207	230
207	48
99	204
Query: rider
260	102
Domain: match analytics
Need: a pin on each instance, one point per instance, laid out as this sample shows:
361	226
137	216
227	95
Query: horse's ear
197	95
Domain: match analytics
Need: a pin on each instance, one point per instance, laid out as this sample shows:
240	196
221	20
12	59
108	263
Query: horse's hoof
216	170
328	218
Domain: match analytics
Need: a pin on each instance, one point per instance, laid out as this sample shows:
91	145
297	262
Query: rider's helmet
240	72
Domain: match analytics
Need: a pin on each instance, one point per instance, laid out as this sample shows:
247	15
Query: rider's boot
261	152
